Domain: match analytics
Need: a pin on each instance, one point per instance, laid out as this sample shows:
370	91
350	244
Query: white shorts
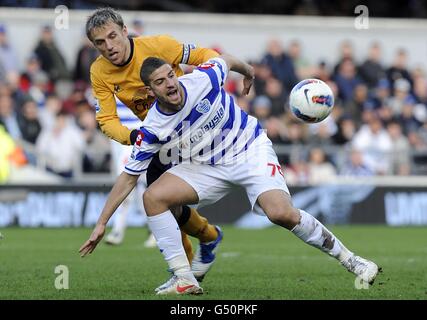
257	172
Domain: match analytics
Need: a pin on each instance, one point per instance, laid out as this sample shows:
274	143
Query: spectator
262	74
297	173
375	144
346	53
346	131
96	154
10	154
322	72
47	114
276	131
32	68
380	97
346	79
402	95
51	58
78	97
320	170
371	71
356	166
274	91
8	60
39	88
321	133
8	56
418	139
61	147
400	151
296	132
407	117
302	65
399	69
29	122
280	64
86	55
420	88
261	108
355	106
8	117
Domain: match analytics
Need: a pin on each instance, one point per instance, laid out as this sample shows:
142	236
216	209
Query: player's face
165	85
112	42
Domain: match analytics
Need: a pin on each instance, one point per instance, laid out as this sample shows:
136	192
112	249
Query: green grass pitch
251	264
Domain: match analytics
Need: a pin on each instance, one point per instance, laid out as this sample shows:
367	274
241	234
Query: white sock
312	231
168	236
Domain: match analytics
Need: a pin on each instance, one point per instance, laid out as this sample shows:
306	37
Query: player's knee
177	212
285	216
152	201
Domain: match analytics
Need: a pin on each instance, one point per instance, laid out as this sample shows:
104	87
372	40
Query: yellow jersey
124	82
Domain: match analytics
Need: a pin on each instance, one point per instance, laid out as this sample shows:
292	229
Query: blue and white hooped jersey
209	129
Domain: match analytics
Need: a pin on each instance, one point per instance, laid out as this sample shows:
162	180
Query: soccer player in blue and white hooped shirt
215	146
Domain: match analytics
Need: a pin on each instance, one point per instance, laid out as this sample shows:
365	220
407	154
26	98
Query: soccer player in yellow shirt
116	73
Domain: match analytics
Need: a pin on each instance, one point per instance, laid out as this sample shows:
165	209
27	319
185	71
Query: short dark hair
100	18
148	67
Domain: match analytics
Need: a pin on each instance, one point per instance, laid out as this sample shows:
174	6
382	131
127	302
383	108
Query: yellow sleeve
175	52
200	55
106	112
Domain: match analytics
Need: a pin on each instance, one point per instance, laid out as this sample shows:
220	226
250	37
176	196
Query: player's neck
129	51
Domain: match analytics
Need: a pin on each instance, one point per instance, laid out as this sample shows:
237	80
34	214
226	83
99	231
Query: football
311	100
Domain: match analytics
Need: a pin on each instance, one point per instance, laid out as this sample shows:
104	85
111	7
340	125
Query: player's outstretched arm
235	64
121	189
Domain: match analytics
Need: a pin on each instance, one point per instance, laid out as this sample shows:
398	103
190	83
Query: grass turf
252	264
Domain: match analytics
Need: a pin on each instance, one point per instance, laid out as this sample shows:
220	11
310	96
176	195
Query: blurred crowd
378	125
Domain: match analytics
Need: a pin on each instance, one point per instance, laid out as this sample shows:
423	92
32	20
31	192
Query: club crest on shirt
204	106
117	88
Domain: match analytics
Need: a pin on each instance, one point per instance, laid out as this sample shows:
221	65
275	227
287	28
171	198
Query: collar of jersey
171	114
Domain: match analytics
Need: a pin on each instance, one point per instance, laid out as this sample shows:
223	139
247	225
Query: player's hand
247	84
95	237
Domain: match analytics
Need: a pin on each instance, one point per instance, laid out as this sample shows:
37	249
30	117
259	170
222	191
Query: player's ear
125	30
150	92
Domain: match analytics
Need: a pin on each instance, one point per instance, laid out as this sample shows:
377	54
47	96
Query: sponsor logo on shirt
206	65
139	139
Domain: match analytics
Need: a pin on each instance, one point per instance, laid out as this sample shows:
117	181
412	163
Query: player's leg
186	183
278	207
263	179
167	192
154	171
209	236
186	242
193	224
